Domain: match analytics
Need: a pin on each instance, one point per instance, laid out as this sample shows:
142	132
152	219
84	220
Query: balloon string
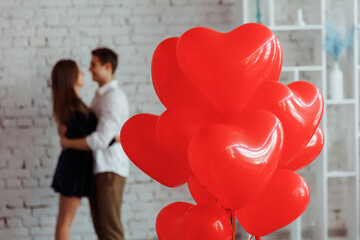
233	222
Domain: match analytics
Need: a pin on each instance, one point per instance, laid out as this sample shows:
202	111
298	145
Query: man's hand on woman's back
62	129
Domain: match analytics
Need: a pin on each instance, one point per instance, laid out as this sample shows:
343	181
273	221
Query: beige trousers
106	206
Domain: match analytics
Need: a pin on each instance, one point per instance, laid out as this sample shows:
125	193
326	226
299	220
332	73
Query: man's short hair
106	55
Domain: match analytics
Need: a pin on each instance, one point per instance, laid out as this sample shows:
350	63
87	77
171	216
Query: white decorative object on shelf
335	44
336	82
300	20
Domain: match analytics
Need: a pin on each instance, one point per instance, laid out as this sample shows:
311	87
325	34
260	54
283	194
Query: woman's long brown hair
65	100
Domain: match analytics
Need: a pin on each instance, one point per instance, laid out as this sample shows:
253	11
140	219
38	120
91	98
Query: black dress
74	172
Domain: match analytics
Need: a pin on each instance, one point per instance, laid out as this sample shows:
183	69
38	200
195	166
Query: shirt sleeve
114	113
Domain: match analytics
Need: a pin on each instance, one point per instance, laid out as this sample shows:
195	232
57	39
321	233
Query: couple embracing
92	162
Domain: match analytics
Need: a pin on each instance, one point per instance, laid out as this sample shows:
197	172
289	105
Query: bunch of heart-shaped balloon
230	130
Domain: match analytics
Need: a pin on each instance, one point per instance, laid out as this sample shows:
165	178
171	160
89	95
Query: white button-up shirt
111	109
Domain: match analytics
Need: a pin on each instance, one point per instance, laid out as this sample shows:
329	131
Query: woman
73	177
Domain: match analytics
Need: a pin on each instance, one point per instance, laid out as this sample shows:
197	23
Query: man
111	164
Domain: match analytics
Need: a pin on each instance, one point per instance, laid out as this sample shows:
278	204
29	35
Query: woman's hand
117	138
64	143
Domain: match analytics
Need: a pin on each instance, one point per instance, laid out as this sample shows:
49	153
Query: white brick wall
34	34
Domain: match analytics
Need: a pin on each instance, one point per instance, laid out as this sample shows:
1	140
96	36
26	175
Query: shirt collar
110	85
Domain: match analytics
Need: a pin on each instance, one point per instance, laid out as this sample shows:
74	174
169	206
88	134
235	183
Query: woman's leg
67	210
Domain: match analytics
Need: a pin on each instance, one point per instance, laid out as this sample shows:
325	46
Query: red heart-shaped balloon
176	127
299	106
283	200
228	68
199	193
180	221
309	153
138	140
170	83
236	162
169	220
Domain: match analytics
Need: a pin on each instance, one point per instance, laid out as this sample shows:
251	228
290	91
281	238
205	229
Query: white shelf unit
340	101
329	173
343	174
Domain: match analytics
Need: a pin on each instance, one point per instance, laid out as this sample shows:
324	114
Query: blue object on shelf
335	43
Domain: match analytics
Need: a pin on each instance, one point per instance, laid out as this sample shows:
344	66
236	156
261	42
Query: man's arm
114	113
78	144
99	139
